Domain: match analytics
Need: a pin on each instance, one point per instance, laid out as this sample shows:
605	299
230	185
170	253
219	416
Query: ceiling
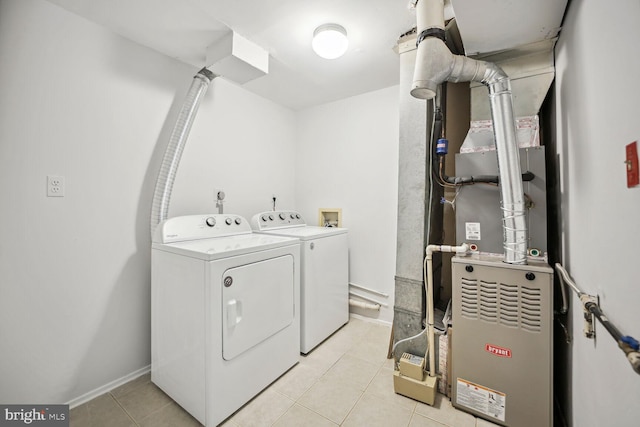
297	78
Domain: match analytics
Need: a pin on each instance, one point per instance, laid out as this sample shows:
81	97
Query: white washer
324	276
224	312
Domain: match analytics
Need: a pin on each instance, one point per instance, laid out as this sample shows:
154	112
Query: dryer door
257	302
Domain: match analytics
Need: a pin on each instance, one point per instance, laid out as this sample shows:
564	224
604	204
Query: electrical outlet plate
55	186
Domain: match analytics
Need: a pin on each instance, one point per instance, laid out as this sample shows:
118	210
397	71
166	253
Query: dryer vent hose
171	160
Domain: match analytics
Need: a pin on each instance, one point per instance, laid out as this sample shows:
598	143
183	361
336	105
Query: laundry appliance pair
229	314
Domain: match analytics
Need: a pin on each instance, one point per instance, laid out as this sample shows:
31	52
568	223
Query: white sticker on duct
489	402
472	230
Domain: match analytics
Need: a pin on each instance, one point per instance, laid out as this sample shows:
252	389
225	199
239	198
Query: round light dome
330	41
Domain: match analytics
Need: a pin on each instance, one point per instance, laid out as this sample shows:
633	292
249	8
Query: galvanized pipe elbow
465	69
434	64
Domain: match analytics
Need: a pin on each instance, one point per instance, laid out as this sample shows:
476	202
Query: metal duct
512	202
173	153
435	64
531	71
413	213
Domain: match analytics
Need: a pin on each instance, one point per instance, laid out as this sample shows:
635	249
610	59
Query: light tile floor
346	381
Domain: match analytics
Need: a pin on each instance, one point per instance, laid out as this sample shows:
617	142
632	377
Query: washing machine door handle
234	312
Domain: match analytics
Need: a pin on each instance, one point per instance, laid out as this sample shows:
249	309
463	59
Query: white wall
347	157
242	144
598	113
78	101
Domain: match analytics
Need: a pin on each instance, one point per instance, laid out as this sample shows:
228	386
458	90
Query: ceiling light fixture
330	41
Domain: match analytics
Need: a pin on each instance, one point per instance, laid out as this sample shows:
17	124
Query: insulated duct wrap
177	141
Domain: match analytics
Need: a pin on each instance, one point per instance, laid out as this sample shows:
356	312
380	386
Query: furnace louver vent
512	306
469	298
509	305
531	309
489	301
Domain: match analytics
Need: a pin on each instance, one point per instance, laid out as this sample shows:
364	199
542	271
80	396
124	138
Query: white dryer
324	276
224	312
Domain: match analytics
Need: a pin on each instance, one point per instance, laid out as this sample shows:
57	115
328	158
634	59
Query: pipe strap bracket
430	32
207	73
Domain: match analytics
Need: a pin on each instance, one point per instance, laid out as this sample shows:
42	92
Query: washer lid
224	247
308	232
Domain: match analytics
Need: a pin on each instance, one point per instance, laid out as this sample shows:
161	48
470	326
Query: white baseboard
108	387
370	319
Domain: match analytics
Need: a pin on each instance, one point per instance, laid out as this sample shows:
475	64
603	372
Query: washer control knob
282	216
238	221
264	218
228	281
270	217
229	221
210	221
292	216
297	216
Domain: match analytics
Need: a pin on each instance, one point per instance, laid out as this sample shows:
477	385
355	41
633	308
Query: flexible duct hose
171	160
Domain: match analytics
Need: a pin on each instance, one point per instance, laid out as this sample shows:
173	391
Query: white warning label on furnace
472	230
482	399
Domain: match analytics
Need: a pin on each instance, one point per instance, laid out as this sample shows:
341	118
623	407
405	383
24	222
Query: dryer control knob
238	221
264	218
297	216
211	221
271	217
282	216
229	221
291	216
